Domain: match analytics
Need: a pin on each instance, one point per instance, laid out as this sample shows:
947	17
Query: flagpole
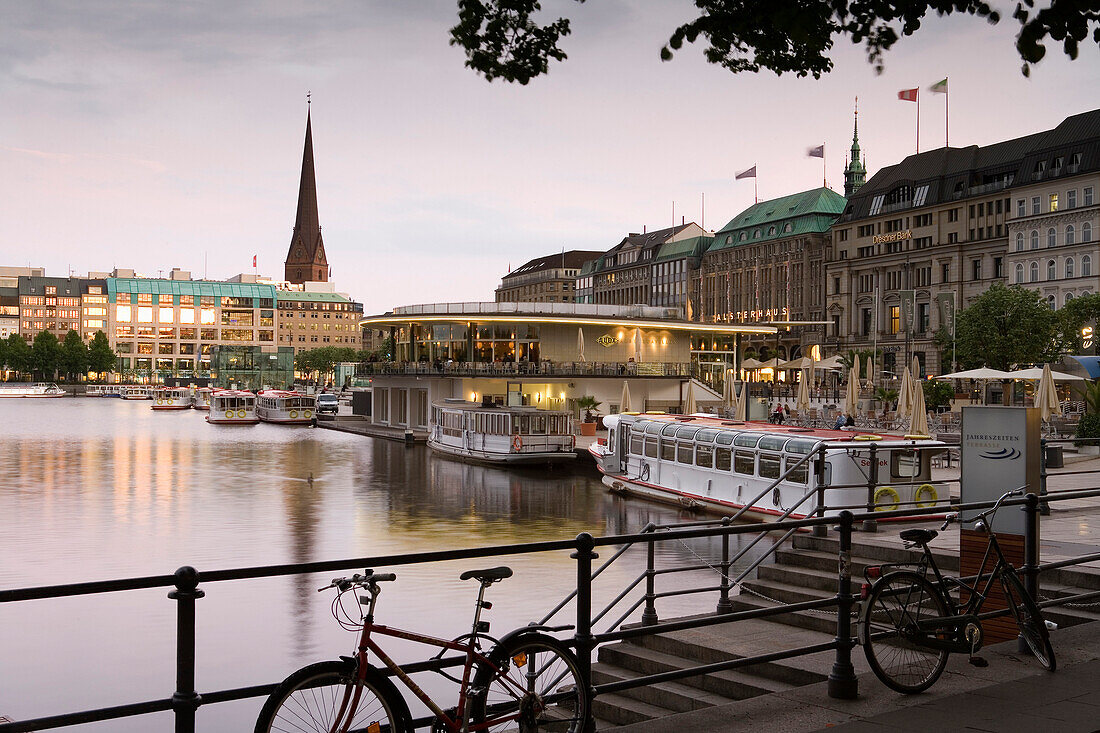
918	120
755	190
946	115
824	183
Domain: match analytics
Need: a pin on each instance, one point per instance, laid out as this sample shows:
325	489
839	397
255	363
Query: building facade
309	320
550	279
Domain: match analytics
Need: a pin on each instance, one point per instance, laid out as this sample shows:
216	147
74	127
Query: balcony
535	369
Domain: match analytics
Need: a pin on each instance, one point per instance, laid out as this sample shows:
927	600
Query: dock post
820	530
1030	570
1044	508
649	613
871	525
185	700
582	638
842	679
724	605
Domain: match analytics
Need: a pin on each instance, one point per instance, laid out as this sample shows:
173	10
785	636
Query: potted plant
588	403
887	397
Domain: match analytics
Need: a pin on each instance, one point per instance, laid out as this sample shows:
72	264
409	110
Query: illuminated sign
607	340
1088	339
892	236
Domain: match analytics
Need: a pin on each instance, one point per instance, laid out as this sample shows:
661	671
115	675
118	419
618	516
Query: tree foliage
502	39
18	354
46	354
1005	327
100	356
74	355
322	361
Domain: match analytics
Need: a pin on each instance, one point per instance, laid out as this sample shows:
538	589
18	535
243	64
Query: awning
1091	365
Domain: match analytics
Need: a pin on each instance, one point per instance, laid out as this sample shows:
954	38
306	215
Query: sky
152	135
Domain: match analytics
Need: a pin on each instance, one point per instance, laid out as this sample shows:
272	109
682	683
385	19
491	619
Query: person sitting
841	420
849	422
777	416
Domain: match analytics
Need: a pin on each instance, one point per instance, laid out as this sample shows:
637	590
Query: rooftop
812	211
573	259
188	287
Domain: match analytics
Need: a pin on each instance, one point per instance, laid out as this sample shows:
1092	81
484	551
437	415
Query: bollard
185	700
842	679
871	525
1044	508
724	605
1030	570
408	437
820	530
582	638
649	614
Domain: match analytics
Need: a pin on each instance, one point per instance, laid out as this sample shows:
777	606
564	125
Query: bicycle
909	624
528	681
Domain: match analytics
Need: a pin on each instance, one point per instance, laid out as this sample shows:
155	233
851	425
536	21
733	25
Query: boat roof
233	393
793	431
281	393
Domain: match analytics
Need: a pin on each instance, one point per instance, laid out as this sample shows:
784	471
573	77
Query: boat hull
220	420
686	500
32	396
501	459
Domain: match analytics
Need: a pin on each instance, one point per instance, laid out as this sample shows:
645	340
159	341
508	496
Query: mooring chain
1070	605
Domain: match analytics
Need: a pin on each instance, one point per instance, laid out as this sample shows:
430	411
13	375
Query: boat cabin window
636	442
722	459
907	464
746	440
801	474
684	450
668	449
744	462
772	442
670	429
640	426
706	435
686	433
653	428
801	447
725	438
704	455
769	465
650	446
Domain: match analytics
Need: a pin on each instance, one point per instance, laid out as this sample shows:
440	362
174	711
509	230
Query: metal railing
533	368
842	681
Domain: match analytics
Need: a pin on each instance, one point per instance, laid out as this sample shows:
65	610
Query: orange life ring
517	443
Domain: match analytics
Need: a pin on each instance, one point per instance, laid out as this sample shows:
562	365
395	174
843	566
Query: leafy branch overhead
503	39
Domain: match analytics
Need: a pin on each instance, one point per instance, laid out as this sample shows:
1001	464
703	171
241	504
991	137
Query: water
94	489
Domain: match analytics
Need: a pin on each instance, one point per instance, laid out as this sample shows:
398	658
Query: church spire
306	261
855	175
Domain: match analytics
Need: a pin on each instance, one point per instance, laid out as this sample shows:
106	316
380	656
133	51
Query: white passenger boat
172	398
135	392
496	434
232	407
202	397
719	465
102	390
285	408
38	389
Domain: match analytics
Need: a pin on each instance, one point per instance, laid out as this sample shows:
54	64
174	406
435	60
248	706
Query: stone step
823	621
821	561
621	710
873	552
732	684
675	697
785	592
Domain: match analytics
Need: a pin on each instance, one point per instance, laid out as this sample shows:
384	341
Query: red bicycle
528	681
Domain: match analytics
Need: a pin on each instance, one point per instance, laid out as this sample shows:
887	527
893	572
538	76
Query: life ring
160	401
918	437
294	413
240	413
891	495
306	413
868	437
228	414
928	489
517	443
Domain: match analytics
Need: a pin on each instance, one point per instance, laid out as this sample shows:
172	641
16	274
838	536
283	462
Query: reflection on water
103	488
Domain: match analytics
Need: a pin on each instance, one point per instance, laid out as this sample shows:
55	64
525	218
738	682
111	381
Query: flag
750	173
909	95
939	87
818	152
253	260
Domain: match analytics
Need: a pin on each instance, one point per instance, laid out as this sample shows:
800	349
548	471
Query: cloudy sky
153	135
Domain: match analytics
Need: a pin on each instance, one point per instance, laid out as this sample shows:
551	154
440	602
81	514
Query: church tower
306	261
855	175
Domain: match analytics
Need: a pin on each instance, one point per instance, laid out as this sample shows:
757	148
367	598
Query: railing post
1044	508
185	700
842	679
871	525
1030	569
820	530
582	638
724	605
649	613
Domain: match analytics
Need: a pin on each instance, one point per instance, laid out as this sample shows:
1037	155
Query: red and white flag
253	260
750	173
908	95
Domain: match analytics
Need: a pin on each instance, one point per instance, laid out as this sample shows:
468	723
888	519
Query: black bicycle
910	623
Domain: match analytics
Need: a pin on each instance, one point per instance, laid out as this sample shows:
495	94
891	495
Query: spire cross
308	101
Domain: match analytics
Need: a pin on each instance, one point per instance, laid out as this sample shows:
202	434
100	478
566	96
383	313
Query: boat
102	390
285	408
202	398
704	462
135	392
171	398
498	434
232	407
38	389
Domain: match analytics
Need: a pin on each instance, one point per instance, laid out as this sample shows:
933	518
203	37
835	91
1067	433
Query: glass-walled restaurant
467	342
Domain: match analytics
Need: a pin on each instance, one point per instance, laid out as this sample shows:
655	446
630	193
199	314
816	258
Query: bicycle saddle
489	575
920	536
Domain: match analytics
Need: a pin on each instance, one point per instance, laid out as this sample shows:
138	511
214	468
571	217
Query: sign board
1000	452
1088	339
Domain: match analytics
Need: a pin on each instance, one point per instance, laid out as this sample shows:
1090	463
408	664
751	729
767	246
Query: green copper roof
117	285
809	212
284	295
692	247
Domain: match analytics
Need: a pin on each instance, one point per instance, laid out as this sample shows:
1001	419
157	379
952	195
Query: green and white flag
939	87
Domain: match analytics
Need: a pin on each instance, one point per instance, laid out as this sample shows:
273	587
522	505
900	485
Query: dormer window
1056	169
729	239
756	234
742	237
1074	163
787	227
876	204
1040	169
771	230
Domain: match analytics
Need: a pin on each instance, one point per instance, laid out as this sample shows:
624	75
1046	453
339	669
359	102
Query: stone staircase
803	571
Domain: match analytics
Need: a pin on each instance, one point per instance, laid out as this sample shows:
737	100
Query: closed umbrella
919	424
855	367
728	397
916	369
580	344
637	346
624	402
1046	396
851	396
803	400
689	401
742	410
905	394
871	372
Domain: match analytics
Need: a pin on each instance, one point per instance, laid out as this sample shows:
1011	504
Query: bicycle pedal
979	661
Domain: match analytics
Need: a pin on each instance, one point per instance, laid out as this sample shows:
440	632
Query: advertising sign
1000	452
908	300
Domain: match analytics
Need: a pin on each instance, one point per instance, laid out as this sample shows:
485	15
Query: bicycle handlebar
954	516
367	579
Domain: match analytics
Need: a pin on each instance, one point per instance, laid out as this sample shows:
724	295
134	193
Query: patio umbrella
1046	396
871	372
742	410
803	400
624	401
905	393
728	395
637	346
919	424
983	373
580	343
690	407
833	362
851	397
751	364
1035	373
802	362
916	373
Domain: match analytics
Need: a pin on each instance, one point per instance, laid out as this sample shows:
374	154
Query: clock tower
306	261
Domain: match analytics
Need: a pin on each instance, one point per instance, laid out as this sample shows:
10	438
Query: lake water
95	489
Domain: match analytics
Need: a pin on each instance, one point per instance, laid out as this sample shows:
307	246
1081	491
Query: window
1035	205
769	465
1034	272
998	267
123	314
1019	278
895	319
166	315
1086	232
1019	241
1069	297
1035	239
1052	270
1088	195
952	215
922	317
976	269
1052	302
1069	267
1021	210
743	462
208	316
668	449
1052	237
1071	198
1040	168
945	272
1086	266
722	459
1071	234
1054	202
921	196
145	314
876	204
684	450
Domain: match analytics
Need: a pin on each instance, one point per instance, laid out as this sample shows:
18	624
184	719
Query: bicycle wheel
533	684
313	700
897	603
1028	617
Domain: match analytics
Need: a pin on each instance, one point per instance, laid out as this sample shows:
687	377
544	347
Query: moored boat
503	435
721	465
135	392
171	398
38	389
232	407
102	390
202	398
285	408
